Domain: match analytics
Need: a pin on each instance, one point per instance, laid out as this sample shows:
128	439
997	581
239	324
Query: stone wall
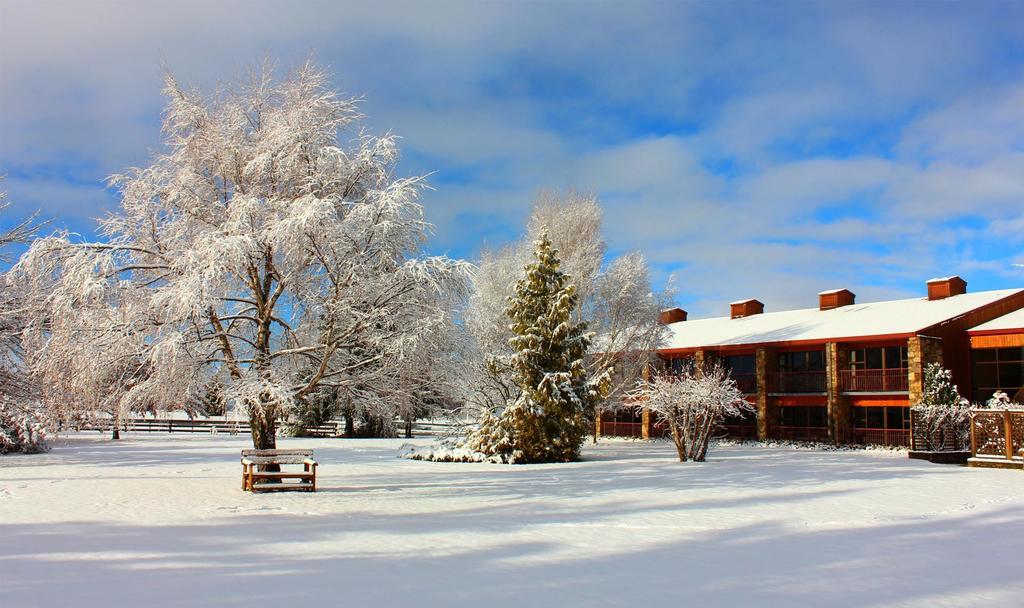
921	350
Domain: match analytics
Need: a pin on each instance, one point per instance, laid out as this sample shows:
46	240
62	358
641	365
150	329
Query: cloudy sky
768	150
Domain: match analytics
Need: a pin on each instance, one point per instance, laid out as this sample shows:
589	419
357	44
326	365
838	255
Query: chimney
946	287
827	300
672	315
745	308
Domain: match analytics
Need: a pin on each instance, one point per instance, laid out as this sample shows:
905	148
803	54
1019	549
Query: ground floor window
998	369
883	425
804	422
740	427
622	422
805	415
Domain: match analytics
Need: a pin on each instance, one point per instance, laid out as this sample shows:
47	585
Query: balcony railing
622	429
888	437
803	433
747	383
796	382
739	431
874	380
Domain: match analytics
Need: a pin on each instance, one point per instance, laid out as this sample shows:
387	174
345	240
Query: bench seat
256	480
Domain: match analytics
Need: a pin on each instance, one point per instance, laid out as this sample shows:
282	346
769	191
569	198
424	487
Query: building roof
1008	322
894	317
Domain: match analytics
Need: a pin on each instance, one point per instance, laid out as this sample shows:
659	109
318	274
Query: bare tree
260	242
693	404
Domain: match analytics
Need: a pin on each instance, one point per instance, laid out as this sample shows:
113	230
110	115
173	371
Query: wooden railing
332	428
889	437
796	382
803	433
622	429
739	431
997	434
874	380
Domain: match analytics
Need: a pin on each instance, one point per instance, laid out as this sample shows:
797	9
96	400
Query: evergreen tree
548	420
942	418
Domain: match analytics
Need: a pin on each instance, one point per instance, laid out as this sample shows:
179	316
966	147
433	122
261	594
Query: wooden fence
333	428
997	436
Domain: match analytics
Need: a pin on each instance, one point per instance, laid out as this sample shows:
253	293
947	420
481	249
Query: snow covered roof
1009	321
855	320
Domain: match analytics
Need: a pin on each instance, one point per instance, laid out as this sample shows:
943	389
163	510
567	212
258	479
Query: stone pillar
921	350
840	416
765	360
704	358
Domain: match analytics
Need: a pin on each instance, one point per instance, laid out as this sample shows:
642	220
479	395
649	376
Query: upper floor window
889	357
740	365
802	361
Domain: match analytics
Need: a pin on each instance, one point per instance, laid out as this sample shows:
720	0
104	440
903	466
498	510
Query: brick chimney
672	315
745	308
827	300
946	287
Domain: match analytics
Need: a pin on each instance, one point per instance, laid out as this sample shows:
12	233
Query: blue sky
768	150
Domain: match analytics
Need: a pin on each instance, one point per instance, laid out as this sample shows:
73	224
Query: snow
160	521
853	321
1009	321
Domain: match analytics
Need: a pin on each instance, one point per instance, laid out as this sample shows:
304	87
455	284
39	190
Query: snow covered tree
261	243
942	418
22	420
615	300
548	419
693	404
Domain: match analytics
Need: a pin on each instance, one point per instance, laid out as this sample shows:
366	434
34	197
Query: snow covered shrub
693	404
943	418
549	419
1002	401
21	429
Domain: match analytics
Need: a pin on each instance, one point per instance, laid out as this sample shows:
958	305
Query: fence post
1008	430
974	436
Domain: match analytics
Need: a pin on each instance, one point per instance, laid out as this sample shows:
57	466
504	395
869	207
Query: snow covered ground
160	521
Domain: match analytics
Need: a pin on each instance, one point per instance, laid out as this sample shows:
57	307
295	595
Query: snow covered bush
693	404
21	428
261	242
548	419
1001	401
943	418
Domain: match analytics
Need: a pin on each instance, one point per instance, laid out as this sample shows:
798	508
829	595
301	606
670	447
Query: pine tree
548	420
942	418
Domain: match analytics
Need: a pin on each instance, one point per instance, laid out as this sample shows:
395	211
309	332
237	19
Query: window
675	365
805	416
889	357
740	365
998	369
802	361
888	417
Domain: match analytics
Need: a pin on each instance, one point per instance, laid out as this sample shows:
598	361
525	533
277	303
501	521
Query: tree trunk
264	430
408	428
350	425
677	438
116	432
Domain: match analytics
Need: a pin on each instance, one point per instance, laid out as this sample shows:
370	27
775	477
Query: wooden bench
254	479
